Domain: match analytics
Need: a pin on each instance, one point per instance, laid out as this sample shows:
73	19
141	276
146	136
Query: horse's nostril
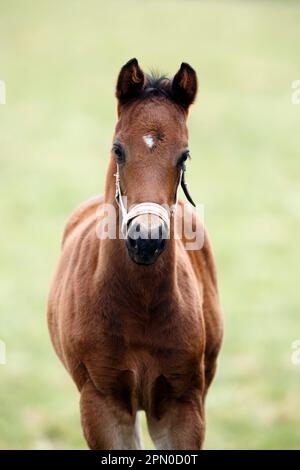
160	232
131	242
162	244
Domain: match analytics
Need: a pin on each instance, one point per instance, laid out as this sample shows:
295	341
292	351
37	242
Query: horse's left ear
130	81
184	86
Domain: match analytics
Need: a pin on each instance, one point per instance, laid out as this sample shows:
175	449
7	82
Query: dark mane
133	85
157	85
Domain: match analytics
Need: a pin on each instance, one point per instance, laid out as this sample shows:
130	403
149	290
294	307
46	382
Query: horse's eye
119	153
182	159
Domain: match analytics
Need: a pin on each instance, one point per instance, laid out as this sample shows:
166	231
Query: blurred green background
60	61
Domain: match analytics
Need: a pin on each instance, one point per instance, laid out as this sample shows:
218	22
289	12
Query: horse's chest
134	355
142	359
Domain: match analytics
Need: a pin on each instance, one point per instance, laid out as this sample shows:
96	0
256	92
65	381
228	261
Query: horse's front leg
105	425
181	425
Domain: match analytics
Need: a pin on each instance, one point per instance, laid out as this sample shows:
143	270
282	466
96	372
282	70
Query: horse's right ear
130	81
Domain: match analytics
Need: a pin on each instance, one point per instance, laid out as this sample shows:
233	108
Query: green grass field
60	64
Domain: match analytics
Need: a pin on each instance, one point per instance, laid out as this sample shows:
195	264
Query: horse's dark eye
119	153
182	159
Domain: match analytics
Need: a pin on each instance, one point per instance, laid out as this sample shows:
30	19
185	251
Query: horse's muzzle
146	238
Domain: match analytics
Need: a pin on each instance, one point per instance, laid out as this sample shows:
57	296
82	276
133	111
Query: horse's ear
130	81
184	86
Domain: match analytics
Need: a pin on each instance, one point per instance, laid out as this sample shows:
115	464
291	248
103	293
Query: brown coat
131	336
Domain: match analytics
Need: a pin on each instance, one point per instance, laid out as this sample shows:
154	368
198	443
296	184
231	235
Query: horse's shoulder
198	248
80	216
208	260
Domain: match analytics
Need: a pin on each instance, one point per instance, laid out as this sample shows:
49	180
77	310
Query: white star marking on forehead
149	140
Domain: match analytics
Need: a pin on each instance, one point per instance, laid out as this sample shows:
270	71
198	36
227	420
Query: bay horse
136	320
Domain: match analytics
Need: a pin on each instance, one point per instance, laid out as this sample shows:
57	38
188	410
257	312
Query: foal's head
150	148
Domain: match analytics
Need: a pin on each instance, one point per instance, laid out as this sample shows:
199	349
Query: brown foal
136	320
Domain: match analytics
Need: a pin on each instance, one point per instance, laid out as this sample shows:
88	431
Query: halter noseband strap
144	207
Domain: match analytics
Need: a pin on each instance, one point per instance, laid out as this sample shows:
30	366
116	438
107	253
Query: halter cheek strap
144	207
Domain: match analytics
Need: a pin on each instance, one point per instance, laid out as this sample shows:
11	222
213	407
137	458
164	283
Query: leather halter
148	207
